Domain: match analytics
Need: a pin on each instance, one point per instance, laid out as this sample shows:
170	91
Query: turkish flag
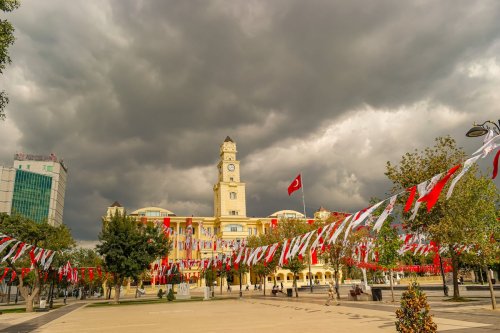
314	257
295	185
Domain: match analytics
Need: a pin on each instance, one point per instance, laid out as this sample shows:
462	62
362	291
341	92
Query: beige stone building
229	224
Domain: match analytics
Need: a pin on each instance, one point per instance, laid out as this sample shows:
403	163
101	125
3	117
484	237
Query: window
249	231
232	195
50	168
233	228
233	212
28	166
153	213
255	231
20	167
180	231
231	179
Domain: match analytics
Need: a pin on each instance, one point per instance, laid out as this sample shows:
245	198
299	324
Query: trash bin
43	304
377	294
289	292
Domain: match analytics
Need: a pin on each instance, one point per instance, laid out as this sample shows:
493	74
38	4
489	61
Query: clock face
230	167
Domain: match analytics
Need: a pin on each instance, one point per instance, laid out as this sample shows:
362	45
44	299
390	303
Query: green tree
6	40
260	269
39	235
413	315
87	258
458	220
339	251
387	244
288	229
129	247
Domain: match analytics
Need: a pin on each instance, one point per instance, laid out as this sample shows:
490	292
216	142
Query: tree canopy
57	238
6	40
129	247
462	220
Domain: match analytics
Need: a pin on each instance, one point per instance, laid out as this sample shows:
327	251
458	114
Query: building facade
34	188
229	225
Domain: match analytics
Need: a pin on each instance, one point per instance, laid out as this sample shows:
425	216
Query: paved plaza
253	313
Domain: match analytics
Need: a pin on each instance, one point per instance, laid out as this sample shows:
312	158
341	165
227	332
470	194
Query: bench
276	291
357	294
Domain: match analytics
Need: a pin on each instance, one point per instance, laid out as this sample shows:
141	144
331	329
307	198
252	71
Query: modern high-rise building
34	188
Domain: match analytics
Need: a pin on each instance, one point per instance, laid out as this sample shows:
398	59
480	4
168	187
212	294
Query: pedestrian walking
331	295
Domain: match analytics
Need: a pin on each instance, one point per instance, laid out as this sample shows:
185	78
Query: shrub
413	315
160	293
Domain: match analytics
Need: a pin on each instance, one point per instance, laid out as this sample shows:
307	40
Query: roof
116	204
154	209
228	139
287	213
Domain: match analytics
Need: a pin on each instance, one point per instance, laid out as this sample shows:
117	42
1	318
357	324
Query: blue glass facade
31	197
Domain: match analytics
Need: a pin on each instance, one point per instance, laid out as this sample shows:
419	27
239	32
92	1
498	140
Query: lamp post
240	268
241	290
476	131
481	129
212	279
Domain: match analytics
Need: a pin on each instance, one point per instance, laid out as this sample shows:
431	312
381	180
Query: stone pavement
254	312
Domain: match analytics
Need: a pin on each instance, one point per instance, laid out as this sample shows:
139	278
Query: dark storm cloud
138	95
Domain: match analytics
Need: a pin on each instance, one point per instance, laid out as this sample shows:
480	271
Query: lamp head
476	131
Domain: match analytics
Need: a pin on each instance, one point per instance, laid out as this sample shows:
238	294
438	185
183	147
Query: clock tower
229	192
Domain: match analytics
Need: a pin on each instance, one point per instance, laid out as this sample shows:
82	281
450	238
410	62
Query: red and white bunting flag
387	211
271	252
365	213
303	246
495	165
323	232
433	195
295	185
5	271
5	242
467	165
260	255
489	144
284	252
339	230
11	251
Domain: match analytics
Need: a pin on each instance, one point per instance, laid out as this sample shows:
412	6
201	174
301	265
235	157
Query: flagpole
305	217
303	200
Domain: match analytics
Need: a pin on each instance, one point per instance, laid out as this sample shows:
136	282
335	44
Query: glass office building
31	195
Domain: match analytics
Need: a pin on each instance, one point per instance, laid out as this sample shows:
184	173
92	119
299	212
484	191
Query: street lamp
481	129
240	268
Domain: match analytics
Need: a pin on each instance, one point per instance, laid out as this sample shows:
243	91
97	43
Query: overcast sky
137	96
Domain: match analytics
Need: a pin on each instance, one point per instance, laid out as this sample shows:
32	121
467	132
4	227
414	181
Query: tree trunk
264	283
392	285
295	286
454	264
337	284
445	287
492	292
8	292
116	298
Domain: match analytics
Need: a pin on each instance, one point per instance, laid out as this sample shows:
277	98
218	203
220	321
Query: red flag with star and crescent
295	185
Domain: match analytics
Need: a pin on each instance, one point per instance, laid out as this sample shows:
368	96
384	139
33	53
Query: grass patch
13	310
459	299
23	310
146	301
